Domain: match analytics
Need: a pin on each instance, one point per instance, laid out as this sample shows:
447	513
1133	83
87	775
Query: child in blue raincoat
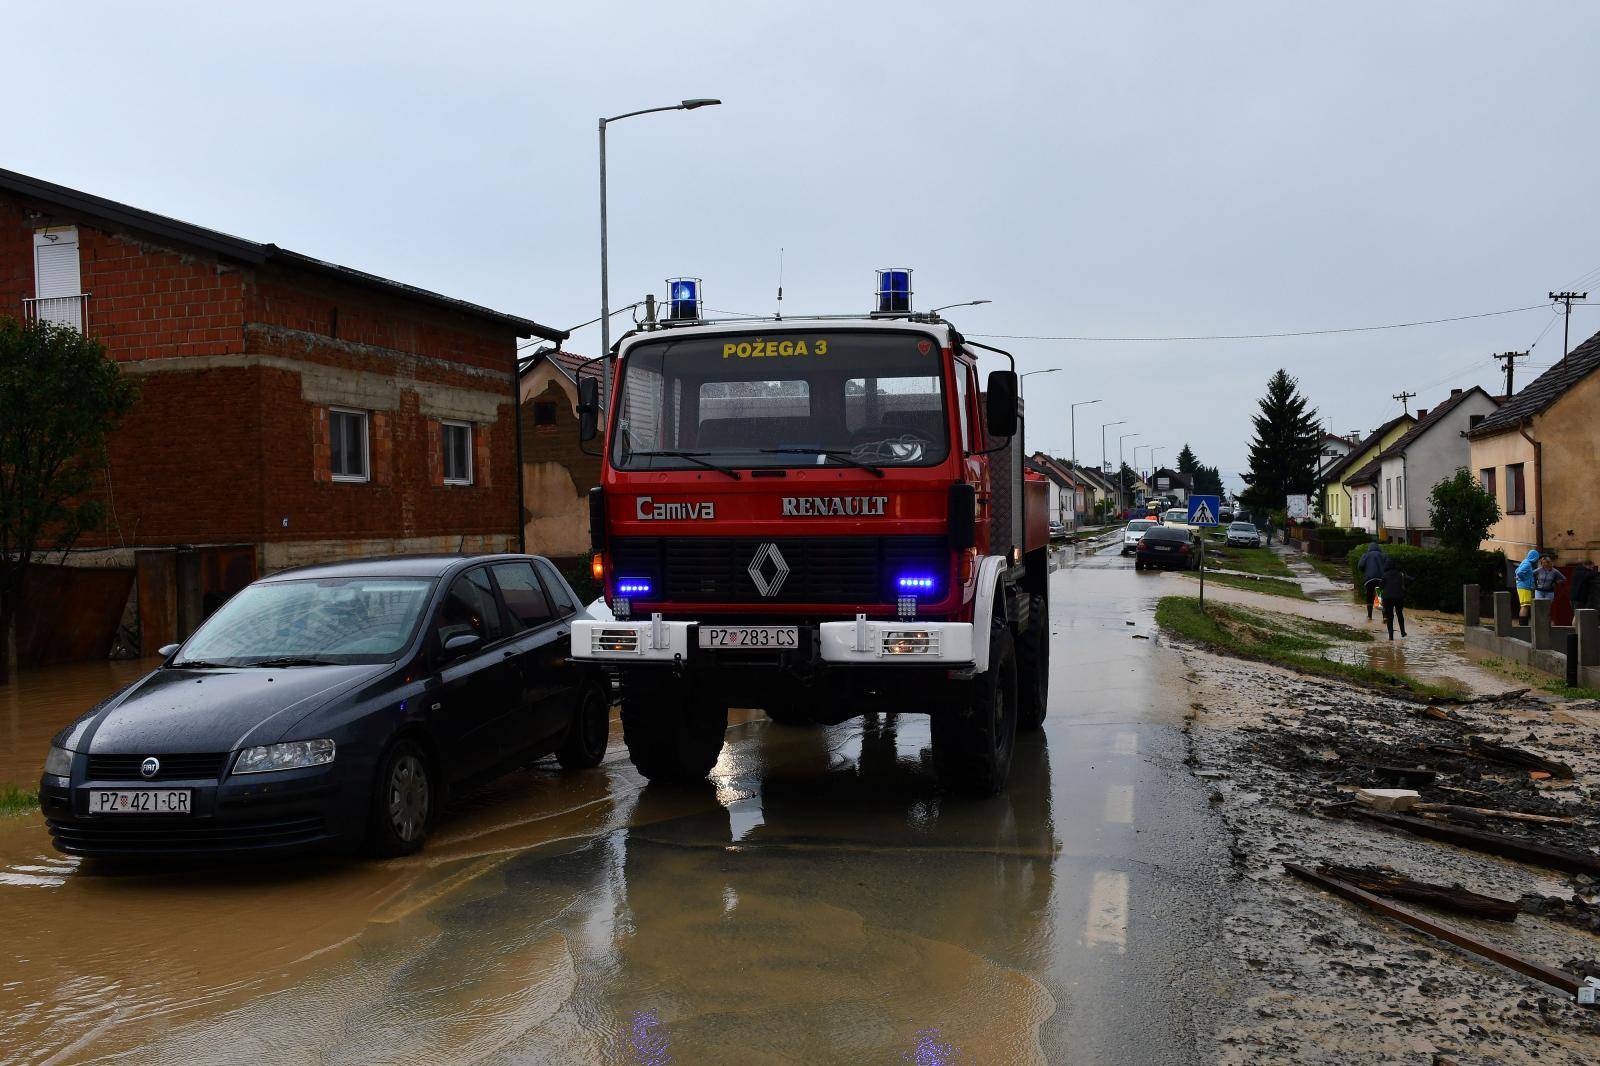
1525	585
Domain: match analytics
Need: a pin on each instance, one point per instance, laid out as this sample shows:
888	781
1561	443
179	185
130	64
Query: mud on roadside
1331	982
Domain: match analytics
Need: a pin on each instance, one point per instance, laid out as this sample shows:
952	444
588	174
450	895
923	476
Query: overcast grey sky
1097	169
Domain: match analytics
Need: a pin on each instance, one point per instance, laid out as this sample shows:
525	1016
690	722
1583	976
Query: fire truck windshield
866	399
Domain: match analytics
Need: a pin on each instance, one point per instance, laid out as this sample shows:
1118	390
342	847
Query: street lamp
605	278
1023	377
1072	418
1103	427
1122	482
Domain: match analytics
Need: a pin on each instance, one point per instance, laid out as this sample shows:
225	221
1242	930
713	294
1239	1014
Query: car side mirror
588	409
1002	403
167	651
461	643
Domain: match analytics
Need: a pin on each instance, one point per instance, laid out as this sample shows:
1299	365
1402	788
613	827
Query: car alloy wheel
408	797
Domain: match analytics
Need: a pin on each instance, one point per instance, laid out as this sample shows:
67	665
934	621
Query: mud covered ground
1337	984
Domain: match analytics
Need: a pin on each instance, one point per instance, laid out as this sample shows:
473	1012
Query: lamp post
1072	418
605	276
1022	379
1122	482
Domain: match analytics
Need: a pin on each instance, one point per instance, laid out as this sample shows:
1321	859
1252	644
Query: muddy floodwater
37	703
819	899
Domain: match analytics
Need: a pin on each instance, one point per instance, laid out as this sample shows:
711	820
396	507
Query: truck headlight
910	642
289	756
58	762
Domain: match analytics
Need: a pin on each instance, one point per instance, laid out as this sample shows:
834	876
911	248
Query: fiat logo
150	767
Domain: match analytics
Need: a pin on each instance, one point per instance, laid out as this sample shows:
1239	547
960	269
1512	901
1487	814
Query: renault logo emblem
150	767
768	569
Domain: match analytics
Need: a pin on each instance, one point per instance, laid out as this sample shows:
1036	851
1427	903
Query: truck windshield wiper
841	456
293	660
693	457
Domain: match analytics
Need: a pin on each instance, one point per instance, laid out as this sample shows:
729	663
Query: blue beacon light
894	291
632	586
683	299
916	583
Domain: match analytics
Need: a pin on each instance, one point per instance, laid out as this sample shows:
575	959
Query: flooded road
820	899
37	703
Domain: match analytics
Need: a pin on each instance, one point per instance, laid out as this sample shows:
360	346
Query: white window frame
366	444
444	455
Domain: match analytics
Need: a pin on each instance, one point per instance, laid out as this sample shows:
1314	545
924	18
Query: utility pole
1403	396
1510	360
1566	328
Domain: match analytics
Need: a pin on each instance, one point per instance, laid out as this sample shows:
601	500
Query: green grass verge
14	800
1535	679
1248	560
1284	640
1271	586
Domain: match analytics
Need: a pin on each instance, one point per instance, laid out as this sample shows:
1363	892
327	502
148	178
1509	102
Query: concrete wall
557	473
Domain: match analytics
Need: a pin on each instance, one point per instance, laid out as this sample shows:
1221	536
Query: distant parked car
1169	548
1057	529
1244	535
332	705
1225	514
1134	532
1176	516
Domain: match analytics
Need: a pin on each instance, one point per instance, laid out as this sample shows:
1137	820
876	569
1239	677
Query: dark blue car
333	705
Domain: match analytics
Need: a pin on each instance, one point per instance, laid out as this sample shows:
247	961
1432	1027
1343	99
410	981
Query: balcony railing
62	310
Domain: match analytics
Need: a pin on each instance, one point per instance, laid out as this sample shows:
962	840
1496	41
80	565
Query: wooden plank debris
1550	975
1509	847
1384	882
1488	812
1514	756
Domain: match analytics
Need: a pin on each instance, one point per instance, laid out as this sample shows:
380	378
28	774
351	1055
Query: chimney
1455	392
1422	412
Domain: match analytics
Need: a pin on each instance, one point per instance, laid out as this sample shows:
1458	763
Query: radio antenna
779	315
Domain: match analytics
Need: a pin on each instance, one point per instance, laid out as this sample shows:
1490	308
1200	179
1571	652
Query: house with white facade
1430	451
1059	487
1361	494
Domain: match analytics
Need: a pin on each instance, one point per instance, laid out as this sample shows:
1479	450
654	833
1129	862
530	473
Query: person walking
1525	571
1394	582
1545	579
1371	567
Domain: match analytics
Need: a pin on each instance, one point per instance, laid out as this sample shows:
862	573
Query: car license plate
139	801
1161	547
754	637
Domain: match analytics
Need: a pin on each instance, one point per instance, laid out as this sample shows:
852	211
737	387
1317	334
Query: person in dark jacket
1371	567
1393	583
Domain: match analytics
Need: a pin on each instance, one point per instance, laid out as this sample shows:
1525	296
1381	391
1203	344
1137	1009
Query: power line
1510	360
1566	330
1264	336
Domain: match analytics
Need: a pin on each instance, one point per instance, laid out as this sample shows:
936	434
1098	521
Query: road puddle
37	703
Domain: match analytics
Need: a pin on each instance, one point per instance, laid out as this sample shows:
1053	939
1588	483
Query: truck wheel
786	710
973	740
1033	665
672	733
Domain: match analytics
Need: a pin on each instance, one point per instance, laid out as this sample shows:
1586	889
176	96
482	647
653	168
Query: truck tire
973	740
786	710
1033	666
673	734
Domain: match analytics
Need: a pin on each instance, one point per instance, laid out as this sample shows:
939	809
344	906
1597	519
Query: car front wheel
402	801
585	744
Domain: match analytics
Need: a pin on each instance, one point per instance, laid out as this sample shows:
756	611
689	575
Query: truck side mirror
588	409
1002	403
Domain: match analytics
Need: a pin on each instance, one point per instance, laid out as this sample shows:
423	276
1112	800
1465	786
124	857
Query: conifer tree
1288	443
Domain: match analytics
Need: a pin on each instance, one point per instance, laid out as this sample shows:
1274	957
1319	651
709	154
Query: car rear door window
560	598
524	597
470	607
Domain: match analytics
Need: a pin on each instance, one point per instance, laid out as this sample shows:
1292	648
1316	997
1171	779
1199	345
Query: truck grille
853	570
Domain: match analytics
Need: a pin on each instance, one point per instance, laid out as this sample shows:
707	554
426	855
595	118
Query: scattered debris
1502	844
1385	882
1512	756
1405	776
1388	799
1455	811
1539	971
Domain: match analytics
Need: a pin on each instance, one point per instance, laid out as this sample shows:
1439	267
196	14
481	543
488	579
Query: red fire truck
818	517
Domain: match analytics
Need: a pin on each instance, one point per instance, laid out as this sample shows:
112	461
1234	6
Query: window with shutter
57	287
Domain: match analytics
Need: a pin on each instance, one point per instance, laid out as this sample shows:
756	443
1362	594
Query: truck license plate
762	637
139	801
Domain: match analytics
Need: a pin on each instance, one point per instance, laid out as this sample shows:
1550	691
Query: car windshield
1166	533
1242	527
1177	514
1139	525
335	620
782	399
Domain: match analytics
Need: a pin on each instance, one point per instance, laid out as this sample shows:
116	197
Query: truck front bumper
878	643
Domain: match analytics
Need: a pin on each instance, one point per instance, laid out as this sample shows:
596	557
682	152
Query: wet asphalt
819	900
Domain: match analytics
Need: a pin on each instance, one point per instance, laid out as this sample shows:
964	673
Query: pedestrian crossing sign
1203	510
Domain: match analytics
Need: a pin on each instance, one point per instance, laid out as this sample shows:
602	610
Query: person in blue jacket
1525	586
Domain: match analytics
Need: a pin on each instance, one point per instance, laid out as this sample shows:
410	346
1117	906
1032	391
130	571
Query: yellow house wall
1341	512
1513	534
1570	433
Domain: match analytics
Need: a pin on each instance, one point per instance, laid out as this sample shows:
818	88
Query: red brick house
290	410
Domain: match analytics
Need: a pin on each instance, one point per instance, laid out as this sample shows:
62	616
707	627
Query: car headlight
58	762
290	756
